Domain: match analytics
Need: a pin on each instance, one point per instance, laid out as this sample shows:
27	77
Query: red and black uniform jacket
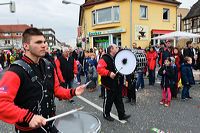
66	68
21	98
104	68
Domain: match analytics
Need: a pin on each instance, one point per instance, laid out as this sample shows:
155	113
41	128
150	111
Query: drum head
125	62
78	122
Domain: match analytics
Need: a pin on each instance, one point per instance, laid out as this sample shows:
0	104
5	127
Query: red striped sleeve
101	68
9	112
61	92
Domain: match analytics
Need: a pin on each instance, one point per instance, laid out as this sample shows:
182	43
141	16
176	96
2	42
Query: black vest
36	91
67	68
106	81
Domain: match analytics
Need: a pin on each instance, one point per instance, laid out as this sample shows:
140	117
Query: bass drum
78	122
140	59
125	62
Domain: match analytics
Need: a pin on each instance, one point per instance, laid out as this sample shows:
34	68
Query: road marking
100	109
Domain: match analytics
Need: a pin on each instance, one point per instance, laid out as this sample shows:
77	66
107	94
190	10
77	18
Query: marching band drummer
28	88
109	80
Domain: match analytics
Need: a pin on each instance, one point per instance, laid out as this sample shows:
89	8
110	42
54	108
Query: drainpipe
130	23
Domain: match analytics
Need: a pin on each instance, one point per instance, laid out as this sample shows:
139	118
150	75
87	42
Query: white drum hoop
78	122
125	62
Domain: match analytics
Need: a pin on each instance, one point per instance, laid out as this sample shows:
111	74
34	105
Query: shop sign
141	32
106	32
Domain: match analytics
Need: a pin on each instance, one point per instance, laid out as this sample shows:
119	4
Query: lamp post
68	2
12	6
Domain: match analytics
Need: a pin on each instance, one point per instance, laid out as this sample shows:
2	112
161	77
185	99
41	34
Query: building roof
94	2
182	12
13	28
194	11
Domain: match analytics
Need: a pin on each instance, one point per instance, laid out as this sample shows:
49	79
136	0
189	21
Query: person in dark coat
166	71
187	77
189	51
110	80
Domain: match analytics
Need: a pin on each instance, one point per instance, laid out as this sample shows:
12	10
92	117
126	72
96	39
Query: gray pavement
180	117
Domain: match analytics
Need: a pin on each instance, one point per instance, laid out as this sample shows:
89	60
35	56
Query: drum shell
78	122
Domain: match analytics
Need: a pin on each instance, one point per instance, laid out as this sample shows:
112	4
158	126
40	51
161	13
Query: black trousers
116	98
131	90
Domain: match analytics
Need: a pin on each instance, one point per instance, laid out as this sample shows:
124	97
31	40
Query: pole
130	24
4	3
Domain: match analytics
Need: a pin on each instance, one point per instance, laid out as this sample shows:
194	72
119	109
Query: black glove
63	84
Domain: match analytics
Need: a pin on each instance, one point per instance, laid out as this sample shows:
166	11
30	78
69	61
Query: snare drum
78	122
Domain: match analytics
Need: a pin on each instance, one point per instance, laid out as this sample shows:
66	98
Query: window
194	23
143	12
165	14
106	15
94	17
116	13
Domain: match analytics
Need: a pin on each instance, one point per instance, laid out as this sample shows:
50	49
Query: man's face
190	45
66	53
168	44
190	61
115	49
37	46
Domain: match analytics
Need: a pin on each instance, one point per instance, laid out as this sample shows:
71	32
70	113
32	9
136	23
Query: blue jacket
187	77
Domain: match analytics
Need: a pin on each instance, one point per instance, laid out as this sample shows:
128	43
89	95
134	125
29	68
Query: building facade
49	36
11	36
192	20
109	21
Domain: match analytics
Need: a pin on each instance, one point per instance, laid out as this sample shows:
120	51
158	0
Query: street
180	117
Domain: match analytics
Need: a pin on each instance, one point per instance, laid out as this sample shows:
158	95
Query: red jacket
9	86
151	58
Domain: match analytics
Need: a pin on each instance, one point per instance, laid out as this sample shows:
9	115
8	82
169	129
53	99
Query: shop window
101	42
165	14
106	15
143	12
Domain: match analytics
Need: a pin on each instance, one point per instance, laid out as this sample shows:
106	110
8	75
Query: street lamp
12	6
68	2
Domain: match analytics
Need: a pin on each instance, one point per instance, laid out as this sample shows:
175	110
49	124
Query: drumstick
119	70
64	114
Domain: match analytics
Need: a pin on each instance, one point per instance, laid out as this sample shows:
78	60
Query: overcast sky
51	14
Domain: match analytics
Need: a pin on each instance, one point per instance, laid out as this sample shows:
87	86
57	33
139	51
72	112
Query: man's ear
26	46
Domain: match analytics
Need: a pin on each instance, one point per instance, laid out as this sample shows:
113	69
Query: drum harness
34	78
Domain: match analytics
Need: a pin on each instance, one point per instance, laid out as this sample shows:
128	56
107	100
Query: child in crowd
187	77
92	75
140	79
174	83
79	72
166	71
86	65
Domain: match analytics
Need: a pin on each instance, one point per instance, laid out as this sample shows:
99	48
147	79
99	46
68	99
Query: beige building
103	22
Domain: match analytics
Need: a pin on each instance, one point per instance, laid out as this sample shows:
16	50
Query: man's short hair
30	32
109	49
188	42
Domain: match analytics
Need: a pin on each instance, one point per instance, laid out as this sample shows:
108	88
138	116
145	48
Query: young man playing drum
29	87
109	80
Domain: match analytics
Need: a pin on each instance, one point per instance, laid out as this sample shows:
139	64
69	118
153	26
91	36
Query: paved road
180	117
